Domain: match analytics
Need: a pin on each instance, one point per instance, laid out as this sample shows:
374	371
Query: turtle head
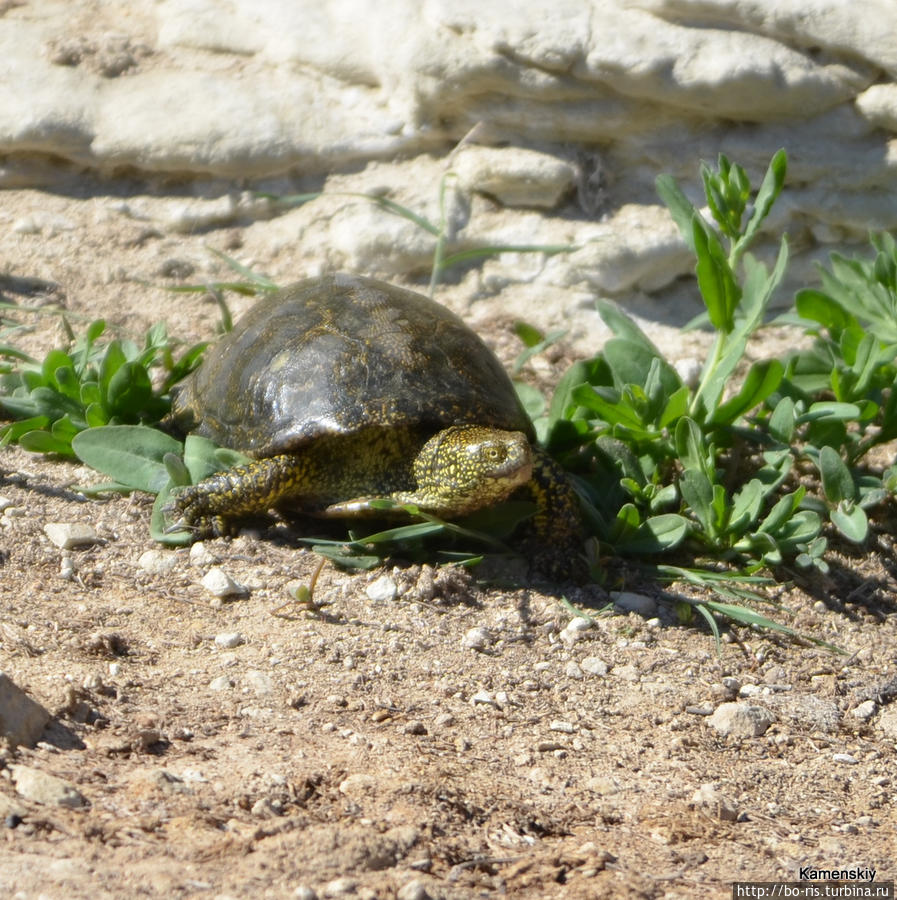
465	467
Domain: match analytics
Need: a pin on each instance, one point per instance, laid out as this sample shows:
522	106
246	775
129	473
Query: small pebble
67	535
157	562
845	758
594	666
382	590
574	630
741	719
303	892
627	601
483	697
221	683
201	556
413	890
478	638
560	725
733	685
415	727
229	639
357	783
264	808
218	583
340	887
865	710
66	568
572	670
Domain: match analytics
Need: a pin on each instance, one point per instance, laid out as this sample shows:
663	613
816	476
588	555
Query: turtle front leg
210	507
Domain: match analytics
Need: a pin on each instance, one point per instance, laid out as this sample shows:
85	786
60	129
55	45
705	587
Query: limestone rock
22	719
41	787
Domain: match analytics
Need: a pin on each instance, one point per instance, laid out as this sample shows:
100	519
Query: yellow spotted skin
348	390
458	470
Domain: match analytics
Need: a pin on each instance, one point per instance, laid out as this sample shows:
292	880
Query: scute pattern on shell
338	354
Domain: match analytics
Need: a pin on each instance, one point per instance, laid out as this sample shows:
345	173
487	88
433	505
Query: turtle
344	390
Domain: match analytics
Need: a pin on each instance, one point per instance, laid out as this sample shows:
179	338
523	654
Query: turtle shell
340	354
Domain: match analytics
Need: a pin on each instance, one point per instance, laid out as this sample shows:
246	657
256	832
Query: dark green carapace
346	390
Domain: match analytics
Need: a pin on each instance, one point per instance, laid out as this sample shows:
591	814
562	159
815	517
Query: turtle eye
494	453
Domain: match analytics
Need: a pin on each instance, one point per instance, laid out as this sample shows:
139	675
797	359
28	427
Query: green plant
719	466
86	385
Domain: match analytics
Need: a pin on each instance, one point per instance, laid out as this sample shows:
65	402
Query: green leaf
819	307
45	442
691	447
531	397
763	379
783	420
200	458
631	363
850	519
680	207
770	188
698	494
131	454
113	359
716	281
782	511
828	410
625	327
529	334
837	481
746	505
129	390
656	534
676	407
526	333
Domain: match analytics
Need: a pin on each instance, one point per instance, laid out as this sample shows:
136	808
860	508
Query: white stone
218	583
865	710
627	601
357	783
477	638
573	670
201	556
382	590
846	758
741	720
514	176
593	665
69	535
227	640
157	562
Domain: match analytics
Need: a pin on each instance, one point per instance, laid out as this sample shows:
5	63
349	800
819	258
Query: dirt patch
441	739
